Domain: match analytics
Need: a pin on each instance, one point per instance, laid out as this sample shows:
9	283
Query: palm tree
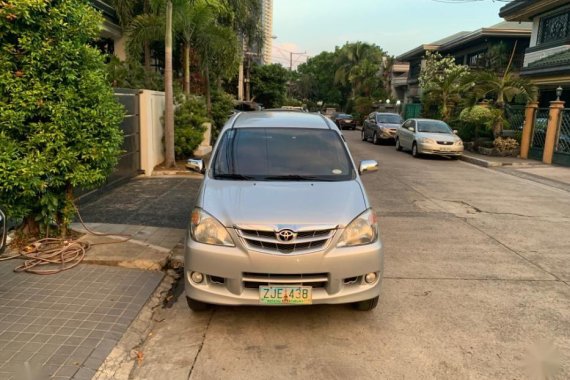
350	61
448	90
502	89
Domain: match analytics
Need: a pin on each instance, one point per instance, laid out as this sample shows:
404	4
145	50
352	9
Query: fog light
197	277
370	277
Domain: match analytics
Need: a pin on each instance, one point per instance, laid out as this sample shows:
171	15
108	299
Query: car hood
387	125
438	136
281	204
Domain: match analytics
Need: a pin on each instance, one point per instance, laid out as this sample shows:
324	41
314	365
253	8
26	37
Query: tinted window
282	154
343	116
433	126
389	119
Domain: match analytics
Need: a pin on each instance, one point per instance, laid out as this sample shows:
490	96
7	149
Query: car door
368	126
403	134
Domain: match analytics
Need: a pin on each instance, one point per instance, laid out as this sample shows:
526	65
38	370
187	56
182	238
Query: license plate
444	149
285	295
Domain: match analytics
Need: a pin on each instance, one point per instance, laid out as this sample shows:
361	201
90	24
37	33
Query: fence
562	148
539	134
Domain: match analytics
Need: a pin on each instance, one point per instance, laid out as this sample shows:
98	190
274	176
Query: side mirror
196	165
367	166
455	131
411	129
3	231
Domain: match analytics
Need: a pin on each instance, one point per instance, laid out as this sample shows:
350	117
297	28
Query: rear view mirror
368	166
3	231
196	165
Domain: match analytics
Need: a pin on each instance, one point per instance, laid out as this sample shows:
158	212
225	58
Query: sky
313	26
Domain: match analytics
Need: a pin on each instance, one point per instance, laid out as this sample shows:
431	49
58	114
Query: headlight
204	228
426	140
458	142
362	230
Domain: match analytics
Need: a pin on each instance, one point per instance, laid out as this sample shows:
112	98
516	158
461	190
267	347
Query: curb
480	162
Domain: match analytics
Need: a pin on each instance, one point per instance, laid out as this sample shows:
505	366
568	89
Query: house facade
481	48
547	59
112	40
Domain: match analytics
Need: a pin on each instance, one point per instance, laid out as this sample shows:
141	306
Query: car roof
421	119
387	113
289	119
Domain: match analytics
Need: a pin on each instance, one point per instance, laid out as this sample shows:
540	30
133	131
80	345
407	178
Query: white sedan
426	136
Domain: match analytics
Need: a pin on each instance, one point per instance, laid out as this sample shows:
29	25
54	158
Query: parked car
381	126
427	136
268	227
344	121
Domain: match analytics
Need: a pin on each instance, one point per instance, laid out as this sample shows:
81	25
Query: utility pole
247	79
291	58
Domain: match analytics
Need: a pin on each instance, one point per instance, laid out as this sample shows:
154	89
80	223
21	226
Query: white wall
151	129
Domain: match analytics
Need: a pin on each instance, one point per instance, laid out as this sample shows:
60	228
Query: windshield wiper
238	177
293	177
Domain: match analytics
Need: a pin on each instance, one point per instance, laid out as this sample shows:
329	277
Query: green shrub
222	107
189	118
58	115
131	74
475	122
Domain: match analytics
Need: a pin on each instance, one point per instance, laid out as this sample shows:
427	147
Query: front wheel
375	139
415	150
398	146
366	305
195	305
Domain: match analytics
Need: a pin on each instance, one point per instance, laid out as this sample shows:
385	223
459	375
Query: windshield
274	154
433	126
343	116
389	119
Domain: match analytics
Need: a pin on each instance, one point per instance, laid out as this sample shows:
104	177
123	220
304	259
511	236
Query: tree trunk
147	56
208	92
186	48
31	227
169	160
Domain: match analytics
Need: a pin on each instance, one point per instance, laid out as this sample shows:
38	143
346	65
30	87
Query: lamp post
558	93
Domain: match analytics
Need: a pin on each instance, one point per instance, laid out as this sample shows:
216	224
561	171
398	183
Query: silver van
282	218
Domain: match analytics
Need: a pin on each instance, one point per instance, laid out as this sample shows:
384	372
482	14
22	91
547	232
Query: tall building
267	27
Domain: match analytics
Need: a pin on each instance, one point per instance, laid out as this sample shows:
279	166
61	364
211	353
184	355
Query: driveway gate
562	148
539	134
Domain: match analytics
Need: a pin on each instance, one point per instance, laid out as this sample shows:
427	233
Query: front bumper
343	268
440	150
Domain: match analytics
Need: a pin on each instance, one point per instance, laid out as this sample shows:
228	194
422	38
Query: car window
433	126
389	119
282	154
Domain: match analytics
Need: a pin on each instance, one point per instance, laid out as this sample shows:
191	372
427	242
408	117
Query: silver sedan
426	136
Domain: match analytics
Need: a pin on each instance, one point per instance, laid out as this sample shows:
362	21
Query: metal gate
412	110
130	161
562	148
539	134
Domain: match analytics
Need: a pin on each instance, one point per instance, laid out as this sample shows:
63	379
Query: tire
366	305
398	146
415	150
363	136
197	306
375	139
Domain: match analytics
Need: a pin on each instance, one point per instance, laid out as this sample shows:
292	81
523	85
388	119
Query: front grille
304	242
445	142
255	280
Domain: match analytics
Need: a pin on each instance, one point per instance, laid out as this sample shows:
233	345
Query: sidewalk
537	171
64	326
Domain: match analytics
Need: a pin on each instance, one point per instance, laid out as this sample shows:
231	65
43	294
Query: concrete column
528	128
556	108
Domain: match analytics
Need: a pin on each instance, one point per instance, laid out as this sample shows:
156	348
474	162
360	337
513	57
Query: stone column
529	118
556	108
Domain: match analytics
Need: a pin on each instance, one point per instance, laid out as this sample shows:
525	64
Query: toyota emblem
285	235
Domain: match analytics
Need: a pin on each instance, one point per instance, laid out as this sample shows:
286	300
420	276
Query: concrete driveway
476	287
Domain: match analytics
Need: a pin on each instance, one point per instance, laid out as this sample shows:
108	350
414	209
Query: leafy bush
189	118
475	122
131	74
60	119
222	107
505	144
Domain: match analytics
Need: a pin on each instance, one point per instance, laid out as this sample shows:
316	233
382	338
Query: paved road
477	285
